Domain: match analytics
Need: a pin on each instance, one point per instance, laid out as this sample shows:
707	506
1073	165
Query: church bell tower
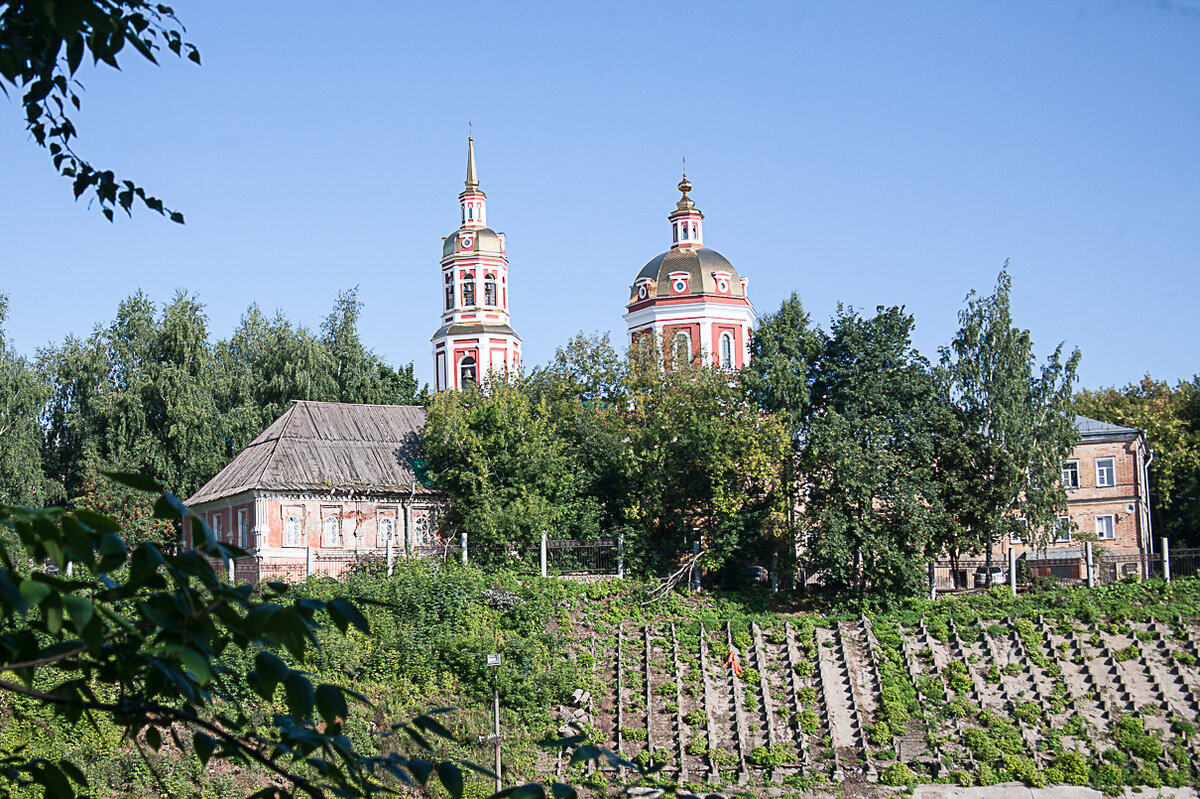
475	337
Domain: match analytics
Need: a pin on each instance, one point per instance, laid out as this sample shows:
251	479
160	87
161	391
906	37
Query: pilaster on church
476	337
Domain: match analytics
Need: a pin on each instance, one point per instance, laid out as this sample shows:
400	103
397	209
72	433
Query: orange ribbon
732	659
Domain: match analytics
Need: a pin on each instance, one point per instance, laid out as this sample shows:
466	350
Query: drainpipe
1144	508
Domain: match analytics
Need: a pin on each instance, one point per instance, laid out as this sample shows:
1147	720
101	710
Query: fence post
620	555
391	554
545	571
464	548
232	570
775	572
1091	565
1012	570
696	566
308	562
1166	556
932	580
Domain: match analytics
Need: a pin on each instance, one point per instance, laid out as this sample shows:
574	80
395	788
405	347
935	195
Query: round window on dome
642	292
680	285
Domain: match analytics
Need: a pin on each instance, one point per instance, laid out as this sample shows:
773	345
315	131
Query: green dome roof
486	241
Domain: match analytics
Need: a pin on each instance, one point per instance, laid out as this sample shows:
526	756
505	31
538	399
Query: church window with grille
489	289
387	529
449	292
682	347
726	351
466	370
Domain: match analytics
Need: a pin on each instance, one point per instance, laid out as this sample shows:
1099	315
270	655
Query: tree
704	463
777	378
1171	418
1017	423
869	446
43	44
21	398
139	636
493	448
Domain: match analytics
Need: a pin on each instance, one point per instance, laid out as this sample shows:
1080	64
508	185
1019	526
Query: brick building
1108	501
324	485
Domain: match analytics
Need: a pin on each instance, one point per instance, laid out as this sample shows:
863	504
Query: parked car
997	576
757	575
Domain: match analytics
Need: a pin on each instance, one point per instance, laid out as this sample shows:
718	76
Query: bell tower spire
472	200
476	337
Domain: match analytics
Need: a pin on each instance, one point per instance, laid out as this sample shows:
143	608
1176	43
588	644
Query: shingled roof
1093	427
325	446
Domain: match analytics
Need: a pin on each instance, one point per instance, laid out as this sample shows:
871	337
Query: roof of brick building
328	447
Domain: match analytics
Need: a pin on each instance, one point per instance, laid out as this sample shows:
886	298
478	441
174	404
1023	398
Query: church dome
709	273
482	240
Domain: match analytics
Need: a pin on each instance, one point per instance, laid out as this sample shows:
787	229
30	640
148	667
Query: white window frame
1062	530
463	380
686	345
293	534
383	533
1112	472
1111	527
217	526
241	528
1071	466
331	538
1019	538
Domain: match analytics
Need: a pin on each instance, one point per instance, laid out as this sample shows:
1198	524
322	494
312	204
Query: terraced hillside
1035	700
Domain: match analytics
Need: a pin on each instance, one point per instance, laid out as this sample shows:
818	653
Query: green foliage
695	718
1016	426
769	757
1127	653
41	49
1171	418
21	398
898	774
1073	767
1132	736
152	643
871	503
148	392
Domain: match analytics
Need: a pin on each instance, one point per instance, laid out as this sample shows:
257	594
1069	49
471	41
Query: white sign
493	660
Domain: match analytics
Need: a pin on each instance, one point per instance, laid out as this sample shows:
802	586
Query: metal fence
1064	567
583	558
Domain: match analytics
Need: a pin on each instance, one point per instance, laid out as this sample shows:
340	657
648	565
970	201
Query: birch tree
1017	422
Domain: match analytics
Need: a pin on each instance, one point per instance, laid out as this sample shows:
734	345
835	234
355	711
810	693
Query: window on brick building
217	526
1106	472
1062	530
387	529
1106	527
241	528
1070	474
293	535
331	533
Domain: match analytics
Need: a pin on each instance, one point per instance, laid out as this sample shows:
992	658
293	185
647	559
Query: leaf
193	661
81	610
168	507
34	592
135	480
452	778
271	671
73	771
331	704
343	610
153	738
204	746
586	753
75	52
562	743
562	791
11	594
97	521
299	695
431	725
420	769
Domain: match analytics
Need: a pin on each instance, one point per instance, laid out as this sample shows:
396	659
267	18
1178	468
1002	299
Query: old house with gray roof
325	485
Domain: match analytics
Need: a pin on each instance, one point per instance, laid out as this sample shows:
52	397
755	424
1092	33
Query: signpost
494	660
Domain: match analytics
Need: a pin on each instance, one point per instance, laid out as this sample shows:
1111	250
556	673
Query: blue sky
858	152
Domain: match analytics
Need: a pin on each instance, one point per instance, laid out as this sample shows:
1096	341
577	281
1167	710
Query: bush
898	774
880	734
769	757
695	718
